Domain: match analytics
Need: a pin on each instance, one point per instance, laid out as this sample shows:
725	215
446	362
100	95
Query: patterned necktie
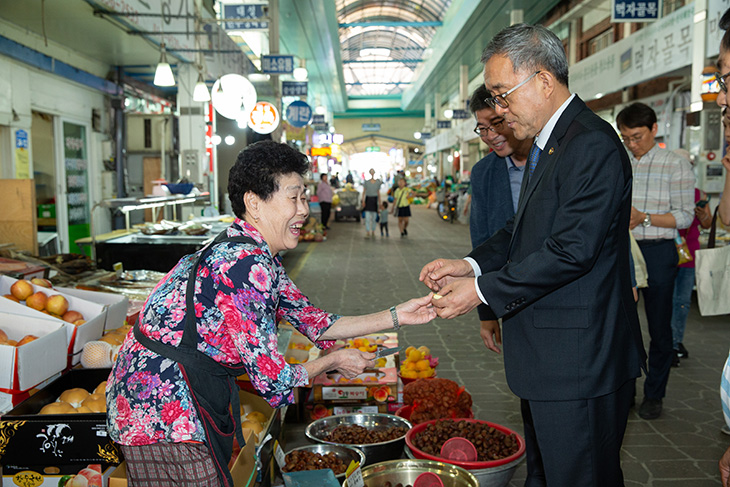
725	391
534	157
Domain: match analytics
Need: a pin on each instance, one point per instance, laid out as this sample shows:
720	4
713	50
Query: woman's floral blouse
241	293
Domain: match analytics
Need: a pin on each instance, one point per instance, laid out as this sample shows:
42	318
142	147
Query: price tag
354	475
279	455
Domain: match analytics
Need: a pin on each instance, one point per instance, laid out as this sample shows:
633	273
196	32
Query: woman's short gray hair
530	47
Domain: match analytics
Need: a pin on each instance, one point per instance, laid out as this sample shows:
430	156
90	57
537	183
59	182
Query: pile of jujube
436	399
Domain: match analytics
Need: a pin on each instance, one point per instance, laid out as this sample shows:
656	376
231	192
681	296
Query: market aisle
348	274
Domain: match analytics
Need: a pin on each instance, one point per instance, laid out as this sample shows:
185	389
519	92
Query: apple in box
89	317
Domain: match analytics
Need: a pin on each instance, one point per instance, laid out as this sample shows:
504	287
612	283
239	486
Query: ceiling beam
392	24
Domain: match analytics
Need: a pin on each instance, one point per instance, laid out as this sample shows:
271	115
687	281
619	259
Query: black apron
212	385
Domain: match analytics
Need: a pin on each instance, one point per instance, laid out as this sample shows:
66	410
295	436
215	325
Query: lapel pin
550	152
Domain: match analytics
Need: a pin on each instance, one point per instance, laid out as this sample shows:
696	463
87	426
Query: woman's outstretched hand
417	311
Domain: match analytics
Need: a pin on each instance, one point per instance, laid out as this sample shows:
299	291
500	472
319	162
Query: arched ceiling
383	42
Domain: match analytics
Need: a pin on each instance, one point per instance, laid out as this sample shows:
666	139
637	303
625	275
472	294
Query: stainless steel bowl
405	472
493	476
344	453
374	452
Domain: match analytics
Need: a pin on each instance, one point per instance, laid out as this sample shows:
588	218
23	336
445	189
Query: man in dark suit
495	188
558	273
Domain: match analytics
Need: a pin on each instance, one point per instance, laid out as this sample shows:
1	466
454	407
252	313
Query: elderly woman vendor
214	316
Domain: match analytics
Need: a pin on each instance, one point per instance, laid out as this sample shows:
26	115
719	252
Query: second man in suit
495	188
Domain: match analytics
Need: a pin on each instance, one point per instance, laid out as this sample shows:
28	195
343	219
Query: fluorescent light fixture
450	158
696	106
201	93
415	150
449	113
300	74
456	153
320	110
163	73
230	140
417	135
332	129
599	96
375	51
700	16
419	169
215	139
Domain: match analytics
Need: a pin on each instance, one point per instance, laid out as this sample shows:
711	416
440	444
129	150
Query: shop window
600	42
672	5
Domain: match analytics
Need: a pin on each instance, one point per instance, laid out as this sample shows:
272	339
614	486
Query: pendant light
201	93
163	73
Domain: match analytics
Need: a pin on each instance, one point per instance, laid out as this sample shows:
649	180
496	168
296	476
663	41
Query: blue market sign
298	114
21	139
278	64
460	114
294	88
371	127
248	12
634	11
443	124
318	119
425	135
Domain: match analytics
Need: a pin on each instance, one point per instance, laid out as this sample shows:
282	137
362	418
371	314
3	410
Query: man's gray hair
530	47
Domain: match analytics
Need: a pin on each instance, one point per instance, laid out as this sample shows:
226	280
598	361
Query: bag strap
713	230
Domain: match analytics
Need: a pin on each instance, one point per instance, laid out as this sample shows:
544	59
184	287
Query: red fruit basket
467	465
405	413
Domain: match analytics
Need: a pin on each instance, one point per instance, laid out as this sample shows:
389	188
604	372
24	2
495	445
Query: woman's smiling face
281	217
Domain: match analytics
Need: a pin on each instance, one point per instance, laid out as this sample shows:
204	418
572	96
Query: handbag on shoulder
712	276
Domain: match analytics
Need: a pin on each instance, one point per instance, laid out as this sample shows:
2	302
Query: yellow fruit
410	365
372	348
422	365
424	350
381	362
415	355
410	374
409	349
423	374
363	349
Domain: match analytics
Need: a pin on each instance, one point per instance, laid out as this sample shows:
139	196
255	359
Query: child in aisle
384	219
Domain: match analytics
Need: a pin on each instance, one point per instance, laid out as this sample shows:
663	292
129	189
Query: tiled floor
350	275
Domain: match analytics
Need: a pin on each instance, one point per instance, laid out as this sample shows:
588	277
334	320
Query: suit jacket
558	272
491	205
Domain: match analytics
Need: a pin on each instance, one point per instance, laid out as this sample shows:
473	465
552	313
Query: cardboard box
76	336
51	475
58	439
115	305
253	402
364	387
243	470
24	367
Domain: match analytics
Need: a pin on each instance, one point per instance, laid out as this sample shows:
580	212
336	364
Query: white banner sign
655	50
715	9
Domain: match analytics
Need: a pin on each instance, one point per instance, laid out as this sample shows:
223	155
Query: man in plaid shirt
662	202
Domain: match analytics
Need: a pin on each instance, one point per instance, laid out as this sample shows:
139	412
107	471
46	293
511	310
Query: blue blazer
558	272
491	198
491	205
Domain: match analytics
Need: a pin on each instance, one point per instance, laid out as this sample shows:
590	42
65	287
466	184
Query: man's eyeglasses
501	99
721	81
494	128
632	140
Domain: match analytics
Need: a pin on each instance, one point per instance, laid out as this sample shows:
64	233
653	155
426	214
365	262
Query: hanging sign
298	114
264	118
279	64
442	124
294	88
22	160
634	11
248	12
460	114
371	127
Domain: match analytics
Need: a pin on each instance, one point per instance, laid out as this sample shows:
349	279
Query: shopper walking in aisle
371	203
662	203
402	205
171	396
685	280
558	272
384	218
324	195
495	189
723	63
